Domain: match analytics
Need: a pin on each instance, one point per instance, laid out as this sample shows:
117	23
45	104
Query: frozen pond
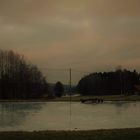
29	116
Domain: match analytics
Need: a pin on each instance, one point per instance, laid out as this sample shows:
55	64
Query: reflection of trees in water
12	114
121	106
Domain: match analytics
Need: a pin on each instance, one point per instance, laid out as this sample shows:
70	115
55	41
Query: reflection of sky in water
55	116
14	114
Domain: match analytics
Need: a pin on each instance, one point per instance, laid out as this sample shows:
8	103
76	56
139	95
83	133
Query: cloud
23	11
90	35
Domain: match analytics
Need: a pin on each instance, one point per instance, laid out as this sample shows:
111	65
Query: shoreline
108	134
46	101
75	130
111	98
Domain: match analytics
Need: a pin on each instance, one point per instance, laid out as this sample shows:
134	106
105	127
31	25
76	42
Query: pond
30	116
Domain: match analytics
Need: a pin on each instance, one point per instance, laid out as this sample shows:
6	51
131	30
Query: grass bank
105	98
78	98
116	134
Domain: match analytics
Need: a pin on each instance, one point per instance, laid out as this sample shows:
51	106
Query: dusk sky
87	35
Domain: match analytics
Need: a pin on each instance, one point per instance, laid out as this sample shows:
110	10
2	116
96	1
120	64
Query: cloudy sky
87	35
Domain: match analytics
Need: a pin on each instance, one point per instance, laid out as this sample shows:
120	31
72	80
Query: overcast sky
88	35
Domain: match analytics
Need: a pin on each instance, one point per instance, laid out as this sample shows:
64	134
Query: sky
85	35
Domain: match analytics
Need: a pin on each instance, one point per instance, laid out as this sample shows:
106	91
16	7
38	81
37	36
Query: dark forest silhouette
58	89
109	83
19	80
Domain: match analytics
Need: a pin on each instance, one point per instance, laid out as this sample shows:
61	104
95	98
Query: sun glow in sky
88	35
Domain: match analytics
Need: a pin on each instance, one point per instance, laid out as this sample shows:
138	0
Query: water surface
29	116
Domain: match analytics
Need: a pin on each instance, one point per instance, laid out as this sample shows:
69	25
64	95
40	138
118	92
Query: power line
64	69
81	71
55	69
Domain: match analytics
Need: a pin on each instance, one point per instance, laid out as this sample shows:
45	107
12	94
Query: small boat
96	100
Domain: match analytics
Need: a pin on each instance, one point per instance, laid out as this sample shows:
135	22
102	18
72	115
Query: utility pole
70	80
70	95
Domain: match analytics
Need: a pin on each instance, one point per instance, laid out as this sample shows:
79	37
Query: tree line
18	79
21	80
109	83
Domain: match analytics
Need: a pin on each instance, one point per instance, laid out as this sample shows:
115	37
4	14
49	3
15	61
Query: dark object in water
96	100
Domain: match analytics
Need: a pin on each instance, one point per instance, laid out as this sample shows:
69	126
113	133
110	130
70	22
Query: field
120	134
